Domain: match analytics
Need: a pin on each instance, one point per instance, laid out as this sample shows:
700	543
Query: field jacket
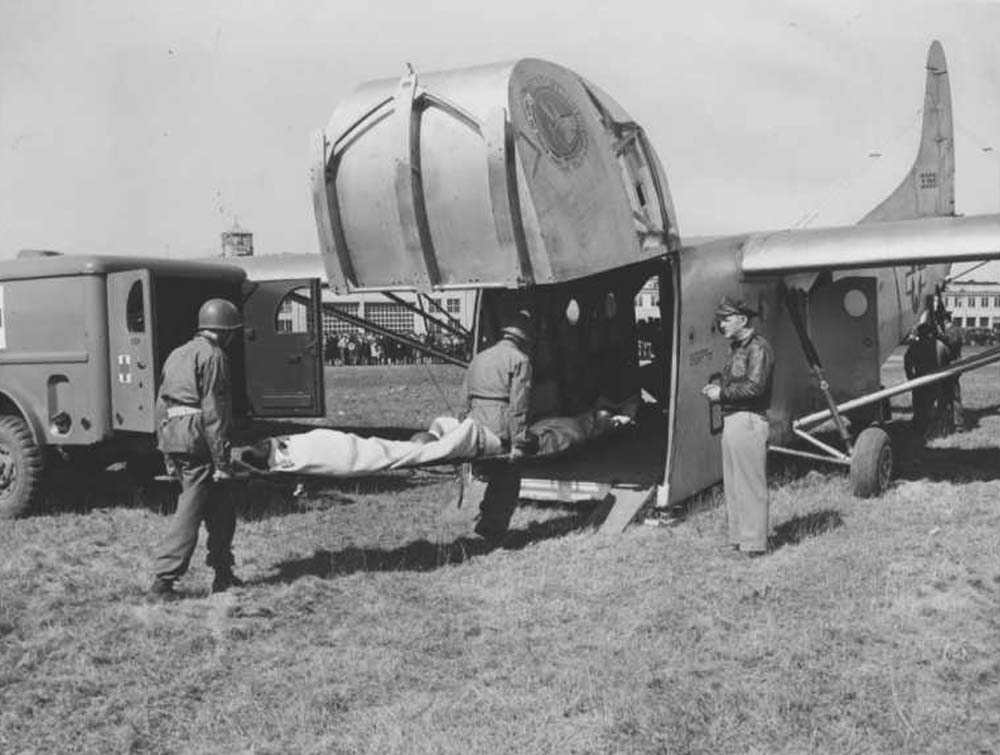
746	378
194	409
497	391
924	356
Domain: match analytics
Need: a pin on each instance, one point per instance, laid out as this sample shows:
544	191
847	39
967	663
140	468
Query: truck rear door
131	348
283	352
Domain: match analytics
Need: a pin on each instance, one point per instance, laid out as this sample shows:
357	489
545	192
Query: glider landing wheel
871	463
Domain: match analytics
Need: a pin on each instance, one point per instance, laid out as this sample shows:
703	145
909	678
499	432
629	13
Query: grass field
373	625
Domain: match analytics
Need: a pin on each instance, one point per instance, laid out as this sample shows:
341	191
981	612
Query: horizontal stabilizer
906	242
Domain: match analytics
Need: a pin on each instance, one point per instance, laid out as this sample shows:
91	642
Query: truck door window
135	319
294	313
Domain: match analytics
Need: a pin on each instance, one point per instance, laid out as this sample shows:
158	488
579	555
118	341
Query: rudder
929	188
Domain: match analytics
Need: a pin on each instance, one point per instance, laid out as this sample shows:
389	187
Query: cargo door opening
604	344
176	321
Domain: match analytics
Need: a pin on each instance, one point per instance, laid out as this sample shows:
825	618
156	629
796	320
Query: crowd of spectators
359	349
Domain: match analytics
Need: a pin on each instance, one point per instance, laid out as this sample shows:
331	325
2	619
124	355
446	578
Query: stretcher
332	453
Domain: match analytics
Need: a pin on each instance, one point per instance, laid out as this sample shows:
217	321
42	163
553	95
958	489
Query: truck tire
20	468
871	463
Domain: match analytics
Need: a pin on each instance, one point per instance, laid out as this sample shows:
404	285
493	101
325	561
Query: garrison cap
734	307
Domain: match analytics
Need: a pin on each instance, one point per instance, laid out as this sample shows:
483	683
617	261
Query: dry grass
373	625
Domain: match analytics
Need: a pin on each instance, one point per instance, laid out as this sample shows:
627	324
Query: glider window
637	176
573	312
855	303
294	313
135	318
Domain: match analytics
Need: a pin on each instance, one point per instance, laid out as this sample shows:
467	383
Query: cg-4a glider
531	185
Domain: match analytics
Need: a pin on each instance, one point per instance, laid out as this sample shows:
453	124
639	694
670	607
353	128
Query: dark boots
225	579
162	590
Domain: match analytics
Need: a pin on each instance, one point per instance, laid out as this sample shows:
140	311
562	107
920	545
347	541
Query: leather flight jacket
746	378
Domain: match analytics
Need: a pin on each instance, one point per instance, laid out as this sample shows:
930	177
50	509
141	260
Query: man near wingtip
194	419
744	393
925	355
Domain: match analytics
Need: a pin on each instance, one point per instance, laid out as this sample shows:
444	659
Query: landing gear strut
870	456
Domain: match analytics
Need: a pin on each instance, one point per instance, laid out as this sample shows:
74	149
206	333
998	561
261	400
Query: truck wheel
871	463
20	468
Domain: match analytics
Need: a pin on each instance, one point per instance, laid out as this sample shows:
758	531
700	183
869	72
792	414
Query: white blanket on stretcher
335	454
332	453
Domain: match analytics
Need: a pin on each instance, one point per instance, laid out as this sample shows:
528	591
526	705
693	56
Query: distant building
974	304
292	315
647	301
237	242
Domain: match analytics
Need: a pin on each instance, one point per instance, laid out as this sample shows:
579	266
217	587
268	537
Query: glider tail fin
929	188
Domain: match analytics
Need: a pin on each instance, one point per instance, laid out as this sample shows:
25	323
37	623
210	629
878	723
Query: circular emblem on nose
556	120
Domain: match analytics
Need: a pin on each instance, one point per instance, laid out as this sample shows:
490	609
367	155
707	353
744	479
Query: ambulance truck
83	340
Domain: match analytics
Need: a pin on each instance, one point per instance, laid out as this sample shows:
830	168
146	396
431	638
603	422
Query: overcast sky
129	126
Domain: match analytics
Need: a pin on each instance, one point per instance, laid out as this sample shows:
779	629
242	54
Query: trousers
200	500
744	478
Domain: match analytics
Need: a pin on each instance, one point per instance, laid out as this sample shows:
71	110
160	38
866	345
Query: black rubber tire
21	466
871	463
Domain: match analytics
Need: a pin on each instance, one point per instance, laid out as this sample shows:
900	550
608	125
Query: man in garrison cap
744	393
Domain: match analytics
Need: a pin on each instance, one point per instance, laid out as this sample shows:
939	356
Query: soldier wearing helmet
193	420
497	389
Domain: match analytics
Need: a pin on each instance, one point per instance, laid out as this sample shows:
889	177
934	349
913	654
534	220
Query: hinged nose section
495	176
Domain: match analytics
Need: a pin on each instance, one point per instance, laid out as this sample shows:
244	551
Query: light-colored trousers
744	477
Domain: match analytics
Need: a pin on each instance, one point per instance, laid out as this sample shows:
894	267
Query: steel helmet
219	314
520	329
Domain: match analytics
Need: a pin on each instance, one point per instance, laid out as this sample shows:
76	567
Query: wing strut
794	299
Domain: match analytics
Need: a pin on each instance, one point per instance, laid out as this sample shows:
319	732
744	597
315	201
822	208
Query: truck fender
10	403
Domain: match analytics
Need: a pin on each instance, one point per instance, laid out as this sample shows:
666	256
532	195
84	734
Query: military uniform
953	338
925	355
194	417
497	393
745	395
